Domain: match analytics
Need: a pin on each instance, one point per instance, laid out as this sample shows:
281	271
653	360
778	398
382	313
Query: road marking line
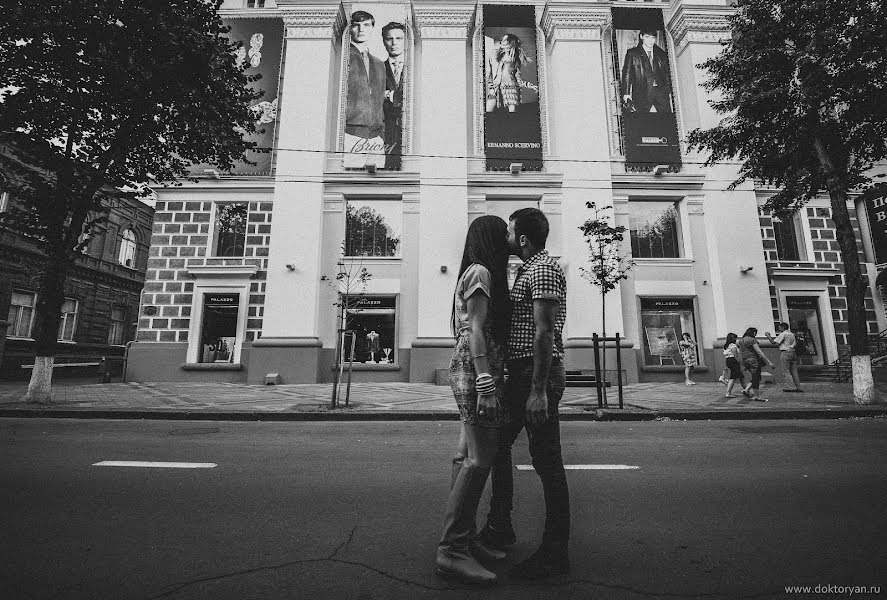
586	467
154	465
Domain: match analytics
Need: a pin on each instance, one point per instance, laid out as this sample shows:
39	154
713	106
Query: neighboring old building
101	293
235	287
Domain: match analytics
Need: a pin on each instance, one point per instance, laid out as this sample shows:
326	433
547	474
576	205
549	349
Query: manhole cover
195	431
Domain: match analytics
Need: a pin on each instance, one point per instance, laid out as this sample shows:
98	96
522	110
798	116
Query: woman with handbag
480	317
753	358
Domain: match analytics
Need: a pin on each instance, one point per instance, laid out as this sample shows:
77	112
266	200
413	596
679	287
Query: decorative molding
451	23
704	25
574	22
315	22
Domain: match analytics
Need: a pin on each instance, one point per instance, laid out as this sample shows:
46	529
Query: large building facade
388	143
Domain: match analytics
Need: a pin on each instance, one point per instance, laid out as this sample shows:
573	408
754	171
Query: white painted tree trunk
863	383
40	387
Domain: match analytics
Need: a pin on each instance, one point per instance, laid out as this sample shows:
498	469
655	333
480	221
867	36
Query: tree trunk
856	283
604	331
50	298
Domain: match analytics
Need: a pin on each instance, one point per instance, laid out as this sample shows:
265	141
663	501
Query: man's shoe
484	553
543	563
464	568
495	539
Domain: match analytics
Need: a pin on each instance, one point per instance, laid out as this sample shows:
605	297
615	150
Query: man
535	386
788	357
393	36
645	85
364	118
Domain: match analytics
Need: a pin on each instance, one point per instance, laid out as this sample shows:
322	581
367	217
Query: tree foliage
368	233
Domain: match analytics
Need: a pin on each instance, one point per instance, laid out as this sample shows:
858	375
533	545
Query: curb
602	415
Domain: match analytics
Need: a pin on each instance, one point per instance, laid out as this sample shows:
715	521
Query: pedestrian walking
752	359
788	357
479	321
688	354
734	367
536	383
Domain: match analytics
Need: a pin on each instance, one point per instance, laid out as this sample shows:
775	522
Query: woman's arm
478	306
760	353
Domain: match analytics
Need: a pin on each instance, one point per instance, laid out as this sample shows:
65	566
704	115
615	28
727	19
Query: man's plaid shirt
538	278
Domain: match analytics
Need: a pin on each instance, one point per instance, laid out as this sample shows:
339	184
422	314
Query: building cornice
699	24
574	21
313	21
452	21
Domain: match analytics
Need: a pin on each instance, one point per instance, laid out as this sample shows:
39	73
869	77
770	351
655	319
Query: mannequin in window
373	344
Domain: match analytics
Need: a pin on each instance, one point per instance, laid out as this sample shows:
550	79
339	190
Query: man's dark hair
393	25
647	31
359	16
784	326
532	223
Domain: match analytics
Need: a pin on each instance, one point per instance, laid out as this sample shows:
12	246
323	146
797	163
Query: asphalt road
352	510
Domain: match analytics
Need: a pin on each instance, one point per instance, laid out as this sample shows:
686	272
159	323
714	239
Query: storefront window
663	323
805	323
219	333
373	228
654	229
373	319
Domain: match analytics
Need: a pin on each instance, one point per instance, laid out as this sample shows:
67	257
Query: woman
480	317
688	354
504	81
732	356
752	359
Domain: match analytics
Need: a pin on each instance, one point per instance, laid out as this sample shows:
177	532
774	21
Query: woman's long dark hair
751	332
731	339
487	244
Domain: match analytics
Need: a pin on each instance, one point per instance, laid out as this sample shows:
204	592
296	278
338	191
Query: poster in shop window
645	90
378	65
512	125
261	47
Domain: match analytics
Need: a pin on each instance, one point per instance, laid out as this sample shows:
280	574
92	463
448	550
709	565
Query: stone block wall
181	239
826	255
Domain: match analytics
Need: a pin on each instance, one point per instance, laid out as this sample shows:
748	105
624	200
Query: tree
349	285
801	85
110	95
607	267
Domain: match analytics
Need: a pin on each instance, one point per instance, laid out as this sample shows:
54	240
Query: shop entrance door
219	332
805	322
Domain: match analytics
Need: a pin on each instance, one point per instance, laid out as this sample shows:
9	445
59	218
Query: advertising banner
378	64
646	96
262	44
512	126
876	209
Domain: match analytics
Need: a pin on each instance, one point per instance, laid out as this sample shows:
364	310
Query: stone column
289	345
578	114
442	119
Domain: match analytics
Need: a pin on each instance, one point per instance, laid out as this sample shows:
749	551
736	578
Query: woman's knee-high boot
454	557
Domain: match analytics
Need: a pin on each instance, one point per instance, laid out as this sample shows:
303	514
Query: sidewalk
417	401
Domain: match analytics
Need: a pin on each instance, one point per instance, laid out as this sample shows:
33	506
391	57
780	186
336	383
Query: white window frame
684	247
212	238
14	325
128	248
63	322
802	237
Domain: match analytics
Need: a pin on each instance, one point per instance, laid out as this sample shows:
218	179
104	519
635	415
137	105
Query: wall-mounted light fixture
745	269
660	169
370	167
516	168
443	268
291	267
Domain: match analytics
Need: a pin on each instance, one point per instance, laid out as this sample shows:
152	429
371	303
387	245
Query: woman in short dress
504	81
480	318
688	354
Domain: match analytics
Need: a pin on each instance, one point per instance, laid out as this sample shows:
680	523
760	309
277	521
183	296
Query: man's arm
544	313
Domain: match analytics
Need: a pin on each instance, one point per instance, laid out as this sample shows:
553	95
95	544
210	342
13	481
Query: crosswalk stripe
587	467
153	464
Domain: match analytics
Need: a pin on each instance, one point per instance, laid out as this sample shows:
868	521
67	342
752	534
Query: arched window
127	255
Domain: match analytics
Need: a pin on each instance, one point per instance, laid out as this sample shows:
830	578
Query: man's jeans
545	449
790	378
